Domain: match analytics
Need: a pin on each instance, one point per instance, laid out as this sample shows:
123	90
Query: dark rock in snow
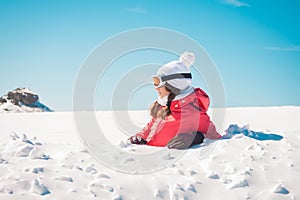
22	100
25	97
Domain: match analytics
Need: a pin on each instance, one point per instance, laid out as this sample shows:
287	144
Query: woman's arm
140	137
144	133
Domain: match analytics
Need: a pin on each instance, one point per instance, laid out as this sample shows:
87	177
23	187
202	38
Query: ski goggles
159	81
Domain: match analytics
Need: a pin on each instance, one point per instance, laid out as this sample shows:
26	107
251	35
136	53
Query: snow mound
21	100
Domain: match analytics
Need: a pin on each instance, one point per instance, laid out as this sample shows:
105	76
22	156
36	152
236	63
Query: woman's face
162	91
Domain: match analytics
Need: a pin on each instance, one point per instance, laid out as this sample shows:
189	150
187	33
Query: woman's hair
155	110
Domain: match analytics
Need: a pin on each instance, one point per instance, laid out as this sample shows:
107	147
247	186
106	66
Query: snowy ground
42	158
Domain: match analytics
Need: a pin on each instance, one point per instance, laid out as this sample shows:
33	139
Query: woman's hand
181	141
185	140
137	140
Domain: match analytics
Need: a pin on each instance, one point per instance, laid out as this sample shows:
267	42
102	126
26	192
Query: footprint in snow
124	144
26	140
24	151
192	172
95	186
280	189
102	175
162	194
64	178
118	198
37	153
212	174
239	183
39	188
90	169
127	160
192	188
38	170
14	136
78	167
6	190
180	172
179	187
2	161
168	157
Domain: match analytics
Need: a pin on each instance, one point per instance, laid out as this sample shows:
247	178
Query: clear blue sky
255	44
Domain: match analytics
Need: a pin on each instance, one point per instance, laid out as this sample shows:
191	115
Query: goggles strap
175	76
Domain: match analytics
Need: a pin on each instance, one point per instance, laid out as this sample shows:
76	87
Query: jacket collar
184	93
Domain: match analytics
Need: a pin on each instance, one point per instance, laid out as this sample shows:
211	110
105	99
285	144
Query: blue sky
255	45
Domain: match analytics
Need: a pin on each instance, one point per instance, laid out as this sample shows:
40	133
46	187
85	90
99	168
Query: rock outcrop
22	100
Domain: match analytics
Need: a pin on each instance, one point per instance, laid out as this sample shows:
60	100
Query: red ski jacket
188	115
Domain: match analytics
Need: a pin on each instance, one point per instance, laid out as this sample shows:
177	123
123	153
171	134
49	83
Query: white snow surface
9	107
42	157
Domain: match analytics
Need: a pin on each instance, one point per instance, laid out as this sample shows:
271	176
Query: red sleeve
169	128
212	132
164	133
144	133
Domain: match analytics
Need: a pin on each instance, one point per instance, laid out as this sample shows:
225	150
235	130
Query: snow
9	107
42	157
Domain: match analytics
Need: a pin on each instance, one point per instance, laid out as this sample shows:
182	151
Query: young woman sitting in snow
179	118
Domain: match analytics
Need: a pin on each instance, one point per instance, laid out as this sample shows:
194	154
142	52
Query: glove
199	137
137	140
185	140
181	141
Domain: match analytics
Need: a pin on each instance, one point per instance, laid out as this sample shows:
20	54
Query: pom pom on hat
182	65
187	58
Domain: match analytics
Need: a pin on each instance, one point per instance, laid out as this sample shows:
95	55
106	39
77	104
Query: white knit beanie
182	65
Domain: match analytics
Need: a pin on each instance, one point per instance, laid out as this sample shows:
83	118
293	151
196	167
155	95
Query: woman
179	118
